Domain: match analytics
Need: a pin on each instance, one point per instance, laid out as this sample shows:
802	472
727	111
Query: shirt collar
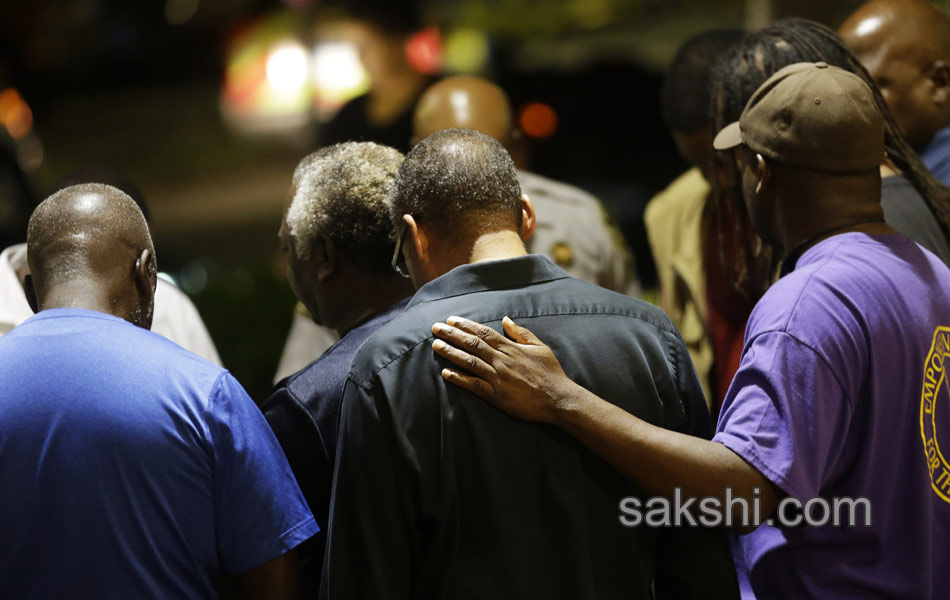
489	275
380	317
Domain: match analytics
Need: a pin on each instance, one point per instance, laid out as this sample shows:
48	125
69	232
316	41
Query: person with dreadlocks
709	312
843	363
915	203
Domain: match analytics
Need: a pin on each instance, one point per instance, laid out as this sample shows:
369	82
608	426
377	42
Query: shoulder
558	195
567	299
685	196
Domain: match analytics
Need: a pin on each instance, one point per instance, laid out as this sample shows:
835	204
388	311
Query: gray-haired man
338	239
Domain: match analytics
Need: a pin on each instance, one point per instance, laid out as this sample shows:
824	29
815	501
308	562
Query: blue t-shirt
835	397
131	468
936	155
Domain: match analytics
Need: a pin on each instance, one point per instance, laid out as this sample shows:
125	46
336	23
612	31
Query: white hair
344	192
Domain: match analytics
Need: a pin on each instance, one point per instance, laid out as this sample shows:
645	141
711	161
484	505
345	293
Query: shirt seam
363	383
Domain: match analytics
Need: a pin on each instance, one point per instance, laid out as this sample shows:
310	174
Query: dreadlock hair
735	77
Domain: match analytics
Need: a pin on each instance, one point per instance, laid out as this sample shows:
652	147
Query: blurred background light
287	66
15	115
424	51
179	12
466	51
267	79
338	74
537	120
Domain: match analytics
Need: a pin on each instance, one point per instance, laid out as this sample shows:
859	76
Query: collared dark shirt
437	494
304	412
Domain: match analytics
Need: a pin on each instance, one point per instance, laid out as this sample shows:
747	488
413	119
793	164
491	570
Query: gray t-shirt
906	211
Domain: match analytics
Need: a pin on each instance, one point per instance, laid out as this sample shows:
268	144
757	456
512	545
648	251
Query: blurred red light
424	51
538	120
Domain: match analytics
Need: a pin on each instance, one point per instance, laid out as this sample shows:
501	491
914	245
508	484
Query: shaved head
86	245
464	102
905	46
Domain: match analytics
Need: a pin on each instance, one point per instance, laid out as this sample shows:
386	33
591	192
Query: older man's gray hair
343	191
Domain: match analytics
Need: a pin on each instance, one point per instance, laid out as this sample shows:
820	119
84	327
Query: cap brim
729	137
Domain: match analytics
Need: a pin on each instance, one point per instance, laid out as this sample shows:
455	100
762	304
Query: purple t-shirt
842	369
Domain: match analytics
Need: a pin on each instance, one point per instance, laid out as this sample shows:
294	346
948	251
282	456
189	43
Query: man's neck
369	298
497	245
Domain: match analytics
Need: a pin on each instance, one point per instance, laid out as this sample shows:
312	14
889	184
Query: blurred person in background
339	242
16	199
709	312
905	46
175	317
571	226
131	468
384	113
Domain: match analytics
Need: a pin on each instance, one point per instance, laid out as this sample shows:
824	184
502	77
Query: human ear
144	273
527	218
940	79
418	238
323	269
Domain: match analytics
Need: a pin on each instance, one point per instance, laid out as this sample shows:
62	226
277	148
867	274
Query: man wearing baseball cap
835	402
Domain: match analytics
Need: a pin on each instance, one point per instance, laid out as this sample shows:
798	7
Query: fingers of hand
520	334
463	359
482	332
477	386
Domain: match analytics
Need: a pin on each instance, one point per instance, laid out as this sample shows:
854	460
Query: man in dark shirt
337	236
437	495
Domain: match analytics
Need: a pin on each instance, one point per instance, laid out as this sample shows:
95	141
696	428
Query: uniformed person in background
572	228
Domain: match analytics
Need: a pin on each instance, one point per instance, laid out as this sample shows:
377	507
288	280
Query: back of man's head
458	184
685	93
92	234
343	192
465	102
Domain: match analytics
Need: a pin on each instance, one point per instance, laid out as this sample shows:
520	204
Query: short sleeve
259	511
786	414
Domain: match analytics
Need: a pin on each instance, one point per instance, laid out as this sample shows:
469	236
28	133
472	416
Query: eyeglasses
398	262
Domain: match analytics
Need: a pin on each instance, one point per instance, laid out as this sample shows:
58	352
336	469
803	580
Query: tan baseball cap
811	115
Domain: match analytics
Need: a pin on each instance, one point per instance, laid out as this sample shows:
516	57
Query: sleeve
259	511
371	539
303	446
786	414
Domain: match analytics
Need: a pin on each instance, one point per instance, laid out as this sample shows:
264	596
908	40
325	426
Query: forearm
658	459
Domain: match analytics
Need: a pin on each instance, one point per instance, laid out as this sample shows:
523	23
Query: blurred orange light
538	120
15	115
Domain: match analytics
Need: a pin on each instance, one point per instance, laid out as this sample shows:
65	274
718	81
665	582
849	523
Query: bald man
905	46
572	228
130	467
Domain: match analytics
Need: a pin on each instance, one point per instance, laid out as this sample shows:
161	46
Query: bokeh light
179	12
467	51
537	120
15	115
338	74
424	51
287	66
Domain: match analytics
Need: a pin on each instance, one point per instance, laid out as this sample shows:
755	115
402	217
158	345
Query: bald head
464	102
88	246
905	46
